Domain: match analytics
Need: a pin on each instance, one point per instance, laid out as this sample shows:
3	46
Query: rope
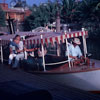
57	63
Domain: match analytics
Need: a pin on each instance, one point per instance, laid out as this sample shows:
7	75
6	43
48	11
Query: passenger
74	49
17	51
75	52
13	47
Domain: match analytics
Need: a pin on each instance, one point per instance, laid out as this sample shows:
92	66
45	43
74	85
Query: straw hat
77	41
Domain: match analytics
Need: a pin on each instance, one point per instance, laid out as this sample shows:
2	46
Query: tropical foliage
85	13
68	11
41	15
89	16
2	18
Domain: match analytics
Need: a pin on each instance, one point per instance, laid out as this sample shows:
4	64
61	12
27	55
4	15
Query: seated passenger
13	47
74	49
16	50
29	52
75	52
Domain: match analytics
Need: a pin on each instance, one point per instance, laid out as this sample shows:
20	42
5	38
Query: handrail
57	63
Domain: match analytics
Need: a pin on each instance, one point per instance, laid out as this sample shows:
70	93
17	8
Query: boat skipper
75	53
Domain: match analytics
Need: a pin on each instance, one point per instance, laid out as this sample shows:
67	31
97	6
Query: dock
57	90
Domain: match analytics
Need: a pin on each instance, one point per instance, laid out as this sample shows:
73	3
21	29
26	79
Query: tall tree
41	15
68	11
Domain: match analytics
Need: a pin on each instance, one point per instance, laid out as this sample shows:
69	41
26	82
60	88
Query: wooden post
43	54
58	50
84	42
69	30
58	23
58	18
67	51
25	53
1	52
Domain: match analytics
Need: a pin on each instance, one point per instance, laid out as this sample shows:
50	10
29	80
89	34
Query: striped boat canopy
54	37
48	37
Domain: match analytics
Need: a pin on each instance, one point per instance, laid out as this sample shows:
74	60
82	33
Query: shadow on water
93	46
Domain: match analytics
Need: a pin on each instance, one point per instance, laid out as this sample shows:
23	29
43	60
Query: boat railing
57	63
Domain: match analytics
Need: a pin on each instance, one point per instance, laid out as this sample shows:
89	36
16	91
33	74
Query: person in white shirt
75	52
74	49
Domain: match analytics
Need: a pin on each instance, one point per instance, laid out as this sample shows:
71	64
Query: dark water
93	46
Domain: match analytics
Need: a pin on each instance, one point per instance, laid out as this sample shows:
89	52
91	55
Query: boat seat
54	59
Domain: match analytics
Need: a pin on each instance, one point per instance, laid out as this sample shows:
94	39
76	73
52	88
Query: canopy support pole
69	63
84	42
25	53
43	54
1	52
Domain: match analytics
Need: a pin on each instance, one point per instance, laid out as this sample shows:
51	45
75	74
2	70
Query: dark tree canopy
84	14
2	18
20	3
41	15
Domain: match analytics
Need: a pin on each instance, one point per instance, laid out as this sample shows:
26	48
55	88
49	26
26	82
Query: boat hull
85	80
82	77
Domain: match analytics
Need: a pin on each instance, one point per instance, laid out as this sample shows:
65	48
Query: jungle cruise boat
56	65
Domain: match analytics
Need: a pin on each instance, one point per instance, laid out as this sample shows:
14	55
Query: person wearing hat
74	49
75	53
